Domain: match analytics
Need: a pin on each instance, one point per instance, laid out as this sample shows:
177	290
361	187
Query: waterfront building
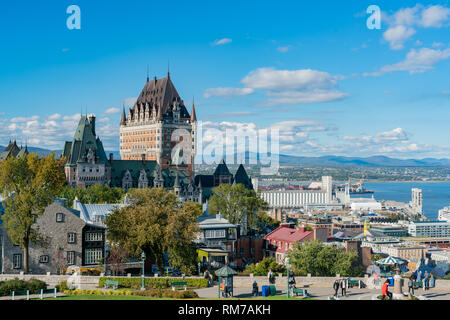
388	230
415	206
365	204
444	214
69	240
155	126
299	198
433	229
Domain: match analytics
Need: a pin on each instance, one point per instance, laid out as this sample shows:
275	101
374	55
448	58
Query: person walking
432	281
411	286
426	282
207	276
336	288
255	291
343	287
271	277
385	290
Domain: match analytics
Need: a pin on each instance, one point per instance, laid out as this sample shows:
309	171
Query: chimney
302	229
111	156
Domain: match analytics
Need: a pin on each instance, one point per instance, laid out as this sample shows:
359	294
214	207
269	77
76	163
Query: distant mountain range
327	161
46	152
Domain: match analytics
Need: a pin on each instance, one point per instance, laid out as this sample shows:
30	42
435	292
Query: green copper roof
84	140
242	177
225	272
119	167
222	170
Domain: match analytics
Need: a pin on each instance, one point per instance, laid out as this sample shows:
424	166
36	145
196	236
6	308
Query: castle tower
150	125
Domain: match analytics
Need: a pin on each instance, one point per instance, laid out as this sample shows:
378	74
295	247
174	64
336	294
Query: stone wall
91	282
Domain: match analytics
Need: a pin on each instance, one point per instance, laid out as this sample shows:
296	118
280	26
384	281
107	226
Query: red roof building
282	239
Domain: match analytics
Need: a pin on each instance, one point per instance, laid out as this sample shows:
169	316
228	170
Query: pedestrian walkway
323	293
34	296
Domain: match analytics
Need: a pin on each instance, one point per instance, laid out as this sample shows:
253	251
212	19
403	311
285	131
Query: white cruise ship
444	214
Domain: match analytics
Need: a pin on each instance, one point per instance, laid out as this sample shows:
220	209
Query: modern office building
433	229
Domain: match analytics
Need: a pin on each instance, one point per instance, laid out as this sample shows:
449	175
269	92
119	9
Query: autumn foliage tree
156	222
28	184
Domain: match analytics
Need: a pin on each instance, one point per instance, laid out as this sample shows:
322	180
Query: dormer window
60	217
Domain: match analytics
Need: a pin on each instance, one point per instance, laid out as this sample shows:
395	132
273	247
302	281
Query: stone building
156	125
13	150
88	165
67	240
206	182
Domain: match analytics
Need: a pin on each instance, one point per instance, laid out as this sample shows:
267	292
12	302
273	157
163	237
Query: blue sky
312	69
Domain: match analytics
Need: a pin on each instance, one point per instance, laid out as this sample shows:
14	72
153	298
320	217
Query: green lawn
101	297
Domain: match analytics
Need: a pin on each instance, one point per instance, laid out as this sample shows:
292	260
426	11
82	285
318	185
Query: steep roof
284	233
162	93
119	167
84	139
222	170
12	150
242	177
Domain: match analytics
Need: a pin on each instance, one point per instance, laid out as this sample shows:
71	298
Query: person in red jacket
385	290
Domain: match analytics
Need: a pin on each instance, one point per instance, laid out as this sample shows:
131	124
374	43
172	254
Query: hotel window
71	237
43	259
94	236
92	256
60	217
17	261
70	257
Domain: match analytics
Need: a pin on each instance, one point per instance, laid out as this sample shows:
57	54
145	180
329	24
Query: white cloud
397	36
112	111
24	119
227	92
223	41
55	116
434	16
300	97
303	79
403	22
418	61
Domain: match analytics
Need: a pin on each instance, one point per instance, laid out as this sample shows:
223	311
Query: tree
323	260
238	205
116	259
262	268
29	185
93	194
156	222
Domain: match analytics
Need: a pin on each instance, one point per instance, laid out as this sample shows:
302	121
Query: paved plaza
324	293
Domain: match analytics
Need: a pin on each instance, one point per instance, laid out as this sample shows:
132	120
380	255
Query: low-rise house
67	240
216	240
282	239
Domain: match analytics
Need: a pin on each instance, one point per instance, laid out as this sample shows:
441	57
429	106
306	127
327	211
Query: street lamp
199	264
143	270
287	269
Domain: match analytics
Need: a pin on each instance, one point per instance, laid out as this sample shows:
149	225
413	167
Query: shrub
262	268
34	285
62	286
167	293
154	283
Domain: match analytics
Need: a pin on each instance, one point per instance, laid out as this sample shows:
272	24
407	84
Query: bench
20	293
298	291
112	283
179	284
354	283
47	291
